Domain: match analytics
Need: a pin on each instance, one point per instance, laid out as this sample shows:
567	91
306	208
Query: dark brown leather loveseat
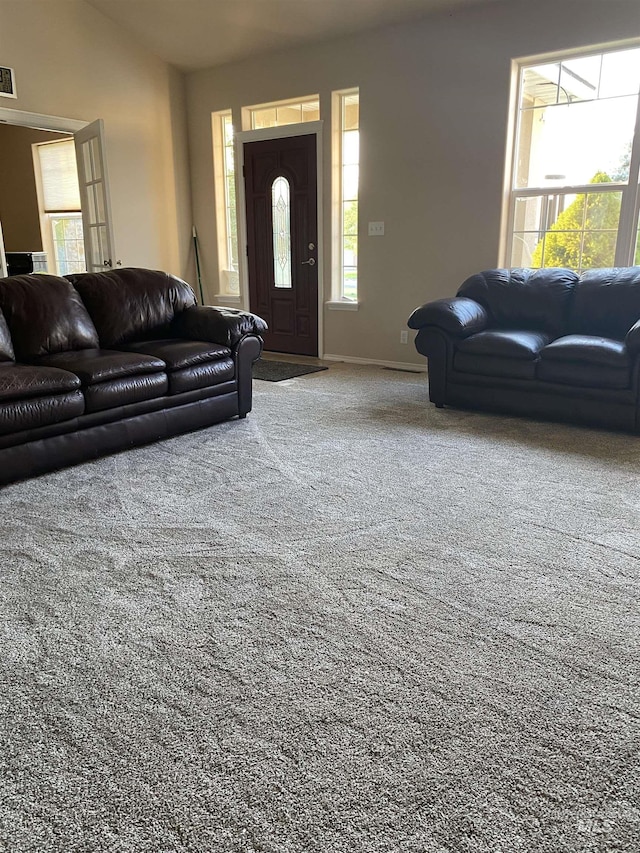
545	343
98	362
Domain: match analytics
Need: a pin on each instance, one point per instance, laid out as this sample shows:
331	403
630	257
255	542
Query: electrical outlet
376	229
404	337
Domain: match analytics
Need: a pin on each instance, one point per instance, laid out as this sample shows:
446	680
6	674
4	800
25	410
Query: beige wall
71	61
18	200
434	106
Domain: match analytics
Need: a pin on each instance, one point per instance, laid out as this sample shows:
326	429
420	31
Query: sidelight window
226	218
346	123
576	158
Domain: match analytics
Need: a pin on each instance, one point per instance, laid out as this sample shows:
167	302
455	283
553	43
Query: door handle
311	262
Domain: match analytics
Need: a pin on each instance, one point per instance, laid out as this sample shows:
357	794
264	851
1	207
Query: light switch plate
376	229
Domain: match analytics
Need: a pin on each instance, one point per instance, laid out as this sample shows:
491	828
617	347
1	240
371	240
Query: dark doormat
276	371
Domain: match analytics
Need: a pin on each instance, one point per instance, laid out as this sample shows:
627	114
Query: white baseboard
394	365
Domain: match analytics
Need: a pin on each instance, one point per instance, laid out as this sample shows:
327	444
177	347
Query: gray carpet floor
351	622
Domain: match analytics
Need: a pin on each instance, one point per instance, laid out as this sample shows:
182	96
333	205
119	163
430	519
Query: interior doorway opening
95	231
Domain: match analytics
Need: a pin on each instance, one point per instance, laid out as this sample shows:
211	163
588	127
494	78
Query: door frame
285	131
40	121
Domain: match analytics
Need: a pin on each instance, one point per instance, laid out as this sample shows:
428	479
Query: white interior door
94	196
3	260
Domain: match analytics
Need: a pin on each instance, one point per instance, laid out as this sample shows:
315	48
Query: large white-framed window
225	196
573	197
58	194
279	113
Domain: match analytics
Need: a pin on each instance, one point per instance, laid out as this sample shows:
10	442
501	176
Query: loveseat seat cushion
45	315
501	353
190	364
535	299
6	347
586	360
606	302
130	304
110	378
32	397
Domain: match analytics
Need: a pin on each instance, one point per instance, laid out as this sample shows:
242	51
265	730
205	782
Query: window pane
350	183
540	85
291	114
523	246
275	115
68	244
351	147
580	234
572	144
620	73
528	214
264	118
351	112
281	218
311	111
579	79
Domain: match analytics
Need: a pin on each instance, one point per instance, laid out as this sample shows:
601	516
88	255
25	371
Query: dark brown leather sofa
97	362
544	343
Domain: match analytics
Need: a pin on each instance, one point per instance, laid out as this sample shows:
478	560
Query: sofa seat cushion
111	378
190	364
177	353
501	352
33	412
586	360
33	397
100	365
22	381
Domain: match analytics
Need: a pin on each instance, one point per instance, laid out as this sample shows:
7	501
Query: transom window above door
282	112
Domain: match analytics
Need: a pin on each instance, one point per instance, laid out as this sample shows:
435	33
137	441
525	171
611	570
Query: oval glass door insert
281	218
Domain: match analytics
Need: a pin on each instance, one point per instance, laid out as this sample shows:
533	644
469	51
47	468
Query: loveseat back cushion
130	304
6	347
524	298
45	314
606	302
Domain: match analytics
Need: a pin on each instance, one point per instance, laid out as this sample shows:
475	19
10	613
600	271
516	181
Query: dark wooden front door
282	240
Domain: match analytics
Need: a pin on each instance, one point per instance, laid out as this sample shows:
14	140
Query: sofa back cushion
6	347
45	315
606	302
132	304
524	298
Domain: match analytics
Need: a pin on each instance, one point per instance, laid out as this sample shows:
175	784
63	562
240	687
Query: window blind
58	170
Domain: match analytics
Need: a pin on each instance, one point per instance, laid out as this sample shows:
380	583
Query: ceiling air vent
7	83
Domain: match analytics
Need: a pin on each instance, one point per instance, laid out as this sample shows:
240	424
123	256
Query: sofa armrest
224	326
632	339
458	316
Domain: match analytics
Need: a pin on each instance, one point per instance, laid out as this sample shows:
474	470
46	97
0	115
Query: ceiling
192	34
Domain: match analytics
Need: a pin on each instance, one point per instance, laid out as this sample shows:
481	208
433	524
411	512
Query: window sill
342	305
225	299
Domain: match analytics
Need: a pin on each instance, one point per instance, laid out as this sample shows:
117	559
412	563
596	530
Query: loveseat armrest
632	339
458	316
225	326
